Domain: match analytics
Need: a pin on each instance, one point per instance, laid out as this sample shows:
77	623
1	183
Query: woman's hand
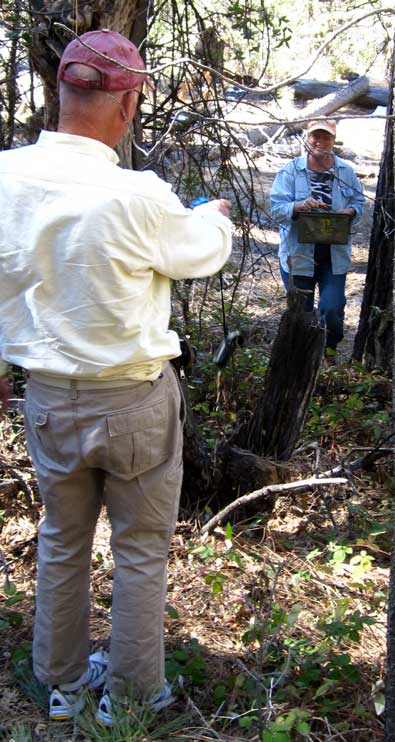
308	204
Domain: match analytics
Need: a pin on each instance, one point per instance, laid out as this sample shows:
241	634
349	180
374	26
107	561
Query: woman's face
320	143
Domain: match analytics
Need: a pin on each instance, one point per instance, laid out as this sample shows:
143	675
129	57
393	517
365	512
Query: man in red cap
322	182
88	252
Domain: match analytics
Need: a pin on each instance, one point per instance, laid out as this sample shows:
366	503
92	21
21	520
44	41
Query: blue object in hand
198	201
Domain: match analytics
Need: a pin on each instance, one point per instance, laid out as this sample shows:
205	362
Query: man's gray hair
69	91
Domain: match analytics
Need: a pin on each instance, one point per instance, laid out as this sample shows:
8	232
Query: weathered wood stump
249	459
290	381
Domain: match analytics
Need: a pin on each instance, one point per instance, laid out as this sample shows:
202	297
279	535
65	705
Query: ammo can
327	229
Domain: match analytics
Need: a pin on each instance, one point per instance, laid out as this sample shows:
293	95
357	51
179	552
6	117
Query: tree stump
291	377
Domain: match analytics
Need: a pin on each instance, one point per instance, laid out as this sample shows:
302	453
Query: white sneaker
97	669
162	699
109	710
68	699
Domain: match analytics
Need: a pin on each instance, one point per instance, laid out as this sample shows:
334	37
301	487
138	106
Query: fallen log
375	95
324	106
333	101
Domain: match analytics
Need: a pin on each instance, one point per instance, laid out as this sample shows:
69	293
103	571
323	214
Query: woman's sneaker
110	710
68	699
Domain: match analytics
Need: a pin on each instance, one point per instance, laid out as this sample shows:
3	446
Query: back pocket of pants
138	438
39	436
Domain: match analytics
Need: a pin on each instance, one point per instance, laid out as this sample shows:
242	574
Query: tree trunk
390	681
374	338
48	41
374	95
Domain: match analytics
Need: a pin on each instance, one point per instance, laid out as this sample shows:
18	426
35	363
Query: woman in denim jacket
317	180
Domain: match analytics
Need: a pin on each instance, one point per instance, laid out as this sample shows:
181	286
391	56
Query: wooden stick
302	484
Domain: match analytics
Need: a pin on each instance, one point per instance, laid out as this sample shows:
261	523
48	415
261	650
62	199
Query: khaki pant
121	447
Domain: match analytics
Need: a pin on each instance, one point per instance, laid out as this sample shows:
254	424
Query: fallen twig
302	484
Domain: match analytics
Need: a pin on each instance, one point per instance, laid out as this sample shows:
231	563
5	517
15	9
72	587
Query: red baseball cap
112	77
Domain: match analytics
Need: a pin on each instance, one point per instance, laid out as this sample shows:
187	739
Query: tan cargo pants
121	447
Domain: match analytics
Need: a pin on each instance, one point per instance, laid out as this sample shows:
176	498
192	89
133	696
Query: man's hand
218	204
308	204
5	393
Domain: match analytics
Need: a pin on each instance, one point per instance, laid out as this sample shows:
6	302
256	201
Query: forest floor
275	626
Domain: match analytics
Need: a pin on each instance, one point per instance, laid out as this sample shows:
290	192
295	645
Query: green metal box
327	229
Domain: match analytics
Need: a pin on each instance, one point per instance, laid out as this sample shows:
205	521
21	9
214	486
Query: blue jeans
332	298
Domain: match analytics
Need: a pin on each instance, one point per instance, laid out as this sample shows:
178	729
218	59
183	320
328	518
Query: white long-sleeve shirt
87	252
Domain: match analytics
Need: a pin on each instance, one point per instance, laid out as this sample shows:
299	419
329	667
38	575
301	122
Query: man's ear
130	101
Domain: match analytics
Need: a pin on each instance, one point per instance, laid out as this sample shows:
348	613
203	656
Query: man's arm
357	199
193	243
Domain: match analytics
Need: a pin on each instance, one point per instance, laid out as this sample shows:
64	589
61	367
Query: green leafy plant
281	728
188	663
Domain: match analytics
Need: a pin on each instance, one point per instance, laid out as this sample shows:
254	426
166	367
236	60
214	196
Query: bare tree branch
199	65
302	484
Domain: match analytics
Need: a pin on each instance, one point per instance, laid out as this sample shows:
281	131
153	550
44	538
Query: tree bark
374	338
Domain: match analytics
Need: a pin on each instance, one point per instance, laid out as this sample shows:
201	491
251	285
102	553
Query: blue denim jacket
292	184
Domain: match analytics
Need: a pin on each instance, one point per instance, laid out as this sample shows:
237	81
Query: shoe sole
63	717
